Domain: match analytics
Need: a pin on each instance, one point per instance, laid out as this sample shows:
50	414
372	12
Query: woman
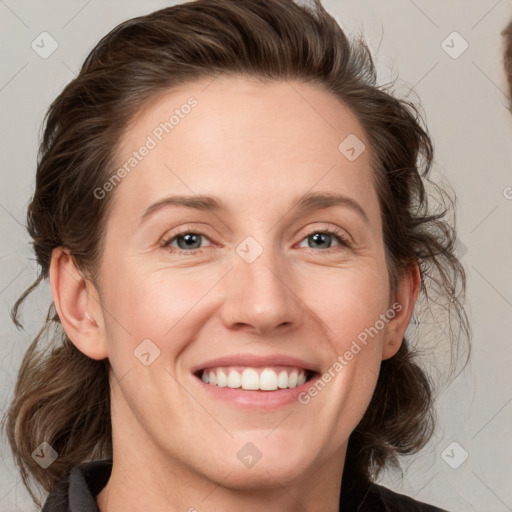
206	353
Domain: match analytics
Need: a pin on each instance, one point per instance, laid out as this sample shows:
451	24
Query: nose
260	296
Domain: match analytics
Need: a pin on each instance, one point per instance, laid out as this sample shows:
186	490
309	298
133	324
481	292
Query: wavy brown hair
62	396
507	60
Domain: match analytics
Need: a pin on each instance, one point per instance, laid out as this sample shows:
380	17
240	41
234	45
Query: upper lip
253	360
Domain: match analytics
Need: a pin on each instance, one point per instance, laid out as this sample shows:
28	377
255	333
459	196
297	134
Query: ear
403	304
78	305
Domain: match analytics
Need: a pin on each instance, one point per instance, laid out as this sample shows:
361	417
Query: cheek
170	305
159	305
348	300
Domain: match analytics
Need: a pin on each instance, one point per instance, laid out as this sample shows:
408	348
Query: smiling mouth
269	378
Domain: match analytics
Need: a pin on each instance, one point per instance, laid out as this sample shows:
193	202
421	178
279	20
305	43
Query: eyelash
341	238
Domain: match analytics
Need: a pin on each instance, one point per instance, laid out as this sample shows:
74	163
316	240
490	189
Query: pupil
188	238
318	236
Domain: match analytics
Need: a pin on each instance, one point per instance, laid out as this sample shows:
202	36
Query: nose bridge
264	276
258	292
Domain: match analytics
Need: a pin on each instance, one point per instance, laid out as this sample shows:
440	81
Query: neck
147	480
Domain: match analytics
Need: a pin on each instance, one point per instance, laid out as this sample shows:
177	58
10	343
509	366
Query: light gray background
464	102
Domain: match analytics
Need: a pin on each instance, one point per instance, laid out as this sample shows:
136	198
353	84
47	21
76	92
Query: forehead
244	139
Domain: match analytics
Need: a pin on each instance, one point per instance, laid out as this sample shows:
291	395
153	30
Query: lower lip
256	399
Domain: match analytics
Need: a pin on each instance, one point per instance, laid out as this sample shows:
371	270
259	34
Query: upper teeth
266	379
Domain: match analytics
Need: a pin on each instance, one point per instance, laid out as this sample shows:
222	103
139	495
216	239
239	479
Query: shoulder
78	490
361	495
383	499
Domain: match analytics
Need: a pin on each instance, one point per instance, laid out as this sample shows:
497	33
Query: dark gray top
77	493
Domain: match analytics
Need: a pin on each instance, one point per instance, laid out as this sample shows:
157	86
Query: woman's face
258	283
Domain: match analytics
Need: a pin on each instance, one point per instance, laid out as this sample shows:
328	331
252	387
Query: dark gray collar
77	493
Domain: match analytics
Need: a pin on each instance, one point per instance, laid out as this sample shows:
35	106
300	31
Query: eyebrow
309	201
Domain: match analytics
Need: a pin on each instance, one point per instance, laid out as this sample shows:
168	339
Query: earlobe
77	304
405	299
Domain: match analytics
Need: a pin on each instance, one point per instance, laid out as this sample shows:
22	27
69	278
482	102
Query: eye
188	242
325	237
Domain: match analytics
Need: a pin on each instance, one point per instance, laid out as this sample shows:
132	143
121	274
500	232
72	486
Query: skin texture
258	146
